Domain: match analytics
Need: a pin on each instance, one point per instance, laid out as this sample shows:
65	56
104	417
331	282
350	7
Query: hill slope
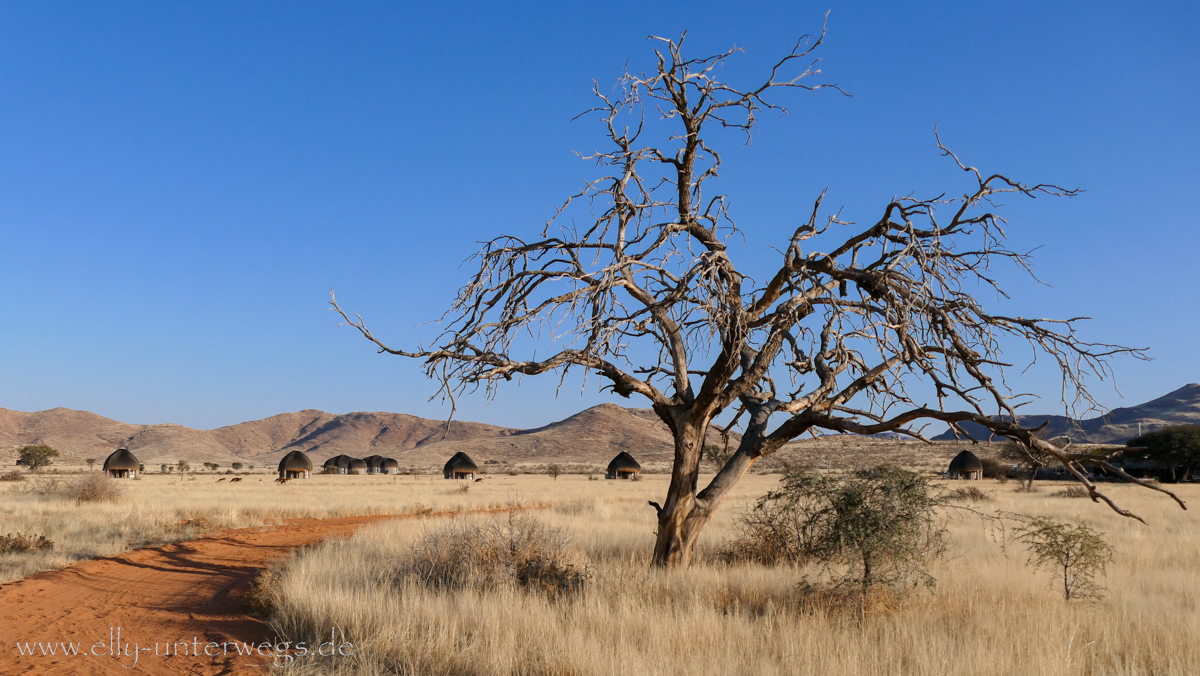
1181	407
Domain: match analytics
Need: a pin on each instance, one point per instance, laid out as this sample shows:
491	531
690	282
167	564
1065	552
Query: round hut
331	466
965	465
295	465
461	466
389	466
373	463
356	466
622	467
121	464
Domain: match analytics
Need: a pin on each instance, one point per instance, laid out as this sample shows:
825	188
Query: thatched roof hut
965	465
389	466
337	464
356	466
460	466
373	463
121	464
295	465
622	467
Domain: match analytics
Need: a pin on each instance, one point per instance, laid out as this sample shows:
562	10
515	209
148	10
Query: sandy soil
187	592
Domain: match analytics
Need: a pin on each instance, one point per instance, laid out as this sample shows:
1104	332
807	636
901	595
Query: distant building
623	467
295	465
460	466
373	463
122	464
965	465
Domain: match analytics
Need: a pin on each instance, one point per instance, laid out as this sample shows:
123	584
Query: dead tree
647	296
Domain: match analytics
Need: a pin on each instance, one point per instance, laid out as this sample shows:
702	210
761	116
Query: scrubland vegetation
568	589
990	613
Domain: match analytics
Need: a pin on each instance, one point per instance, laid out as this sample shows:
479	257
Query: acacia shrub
869	528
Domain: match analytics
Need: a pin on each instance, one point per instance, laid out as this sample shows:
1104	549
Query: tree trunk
685	514
680	518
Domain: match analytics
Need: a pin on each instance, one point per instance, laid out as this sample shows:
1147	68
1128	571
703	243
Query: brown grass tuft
517	550
19	543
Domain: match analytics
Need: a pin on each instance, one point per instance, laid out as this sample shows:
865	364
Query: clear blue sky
180	185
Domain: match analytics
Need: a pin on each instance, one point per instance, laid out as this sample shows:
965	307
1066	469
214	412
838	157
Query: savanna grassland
990	612
159	509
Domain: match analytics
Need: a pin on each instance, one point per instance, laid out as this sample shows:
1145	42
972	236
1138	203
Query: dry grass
162	508
990	615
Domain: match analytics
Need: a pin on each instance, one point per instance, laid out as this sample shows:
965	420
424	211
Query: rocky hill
589	436
1181	407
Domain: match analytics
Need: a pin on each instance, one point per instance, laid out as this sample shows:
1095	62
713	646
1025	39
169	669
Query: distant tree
141	467
183	466
1029	459
236	466
1175	447
36	456
91	462
554	471
995	469
250	467
164	468
1077	554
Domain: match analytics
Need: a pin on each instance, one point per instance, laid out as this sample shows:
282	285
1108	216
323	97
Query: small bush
18	543
870	528
12	475
515	551
53	486
1072	492
94	488
968	494
513	471
593	477
1076	554
1027	488
463	487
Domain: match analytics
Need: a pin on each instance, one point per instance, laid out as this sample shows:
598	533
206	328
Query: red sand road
180	592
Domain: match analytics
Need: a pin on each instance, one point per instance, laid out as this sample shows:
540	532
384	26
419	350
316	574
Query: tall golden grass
991	613
158	509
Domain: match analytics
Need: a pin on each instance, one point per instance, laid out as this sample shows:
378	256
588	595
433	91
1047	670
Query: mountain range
590	436
1181	407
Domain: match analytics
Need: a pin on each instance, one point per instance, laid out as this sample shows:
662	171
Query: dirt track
191	591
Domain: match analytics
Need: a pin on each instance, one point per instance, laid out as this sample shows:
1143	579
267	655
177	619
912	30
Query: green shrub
870	528
1077	554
